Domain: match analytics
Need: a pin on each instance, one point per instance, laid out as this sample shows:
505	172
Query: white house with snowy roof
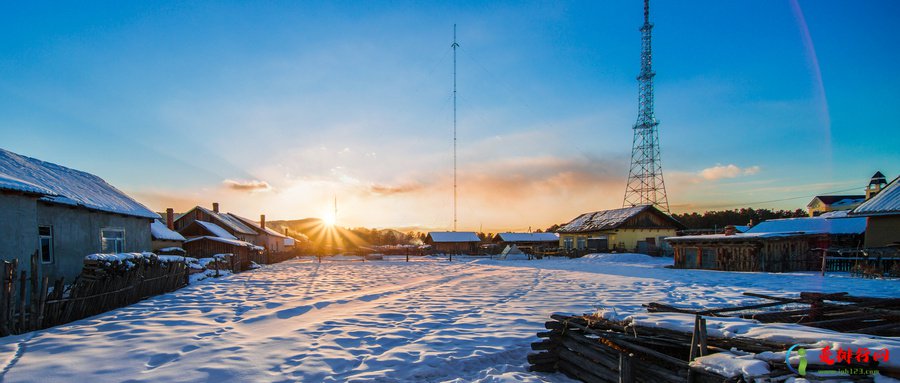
64	214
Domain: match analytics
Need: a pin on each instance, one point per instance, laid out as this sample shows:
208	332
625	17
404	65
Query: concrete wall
76	233
882	230
18	228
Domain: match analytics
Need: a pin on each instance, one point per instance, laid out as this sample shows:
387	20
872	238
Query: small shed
769	252
453	242
776	245
164	237
528	241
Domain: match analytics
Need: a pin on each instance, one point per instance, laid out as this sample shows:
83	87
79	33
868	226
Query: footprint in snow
160	359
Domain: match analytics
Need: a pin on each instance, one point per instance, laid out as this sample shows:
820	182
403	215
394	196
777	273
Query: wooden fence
866	263
29	303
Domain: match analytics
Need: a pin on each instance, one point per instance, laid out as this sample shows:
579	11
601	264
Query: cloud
248	186
726	171
391	190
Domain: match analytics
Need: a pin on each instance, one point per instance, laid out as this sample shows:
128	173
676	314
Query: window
45	236
567	243
112	241
582	243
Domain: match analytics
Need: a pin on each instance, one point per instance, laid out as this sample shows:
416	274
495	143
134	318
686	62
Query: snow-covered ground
391	321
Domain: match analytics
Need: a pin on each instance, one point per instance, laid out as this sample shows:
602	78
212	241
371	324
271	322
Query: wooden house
777	245
232	225
206	239
64	215
271	240
882	213
453	242
638	229
527	241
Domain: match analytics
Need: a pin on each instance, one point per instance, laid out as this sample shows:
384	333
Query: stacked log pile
593	349
836	311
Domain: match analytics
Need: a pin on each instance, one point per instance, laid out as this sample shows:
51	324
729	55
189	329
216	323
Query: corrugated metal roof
529	237
62	185
453	236
886	202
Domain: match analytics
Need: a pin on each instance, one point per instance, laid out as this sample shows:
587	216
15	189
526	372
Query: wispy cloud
248	186
727	171
398	189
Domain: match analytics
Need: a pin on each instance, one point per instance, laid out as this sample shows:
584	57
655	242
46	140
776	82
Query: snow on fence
107	282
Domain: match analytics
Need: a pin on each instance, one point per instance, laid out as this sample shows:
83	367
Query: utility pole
454	46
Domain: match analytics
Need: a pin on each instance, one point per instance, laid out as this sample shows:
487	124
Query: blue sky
278	107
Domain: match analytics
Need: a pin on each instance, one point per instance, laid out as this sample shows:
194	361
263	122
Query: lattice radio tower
645	179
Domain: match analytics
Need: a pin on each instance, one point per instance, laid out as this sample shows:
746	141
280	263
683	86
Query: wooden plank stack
593	349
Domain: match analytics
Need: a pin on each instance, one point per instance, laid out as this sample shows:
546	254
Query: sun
328	219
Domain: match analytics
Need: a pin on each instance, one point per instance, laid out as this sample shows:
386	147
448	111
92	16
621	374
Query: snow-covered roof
159	231
812	225
609	219
886	202
215	230
837	200
223	240
59	184
227	220
735	237
529	237
255	226
453	236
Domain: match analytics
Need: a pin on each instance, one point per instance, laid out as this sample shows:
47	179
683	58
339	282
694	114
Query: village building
64	214
271	240
527	241
206	239
828	203
639	229
166	241
882	213
227	222
778	245
453	242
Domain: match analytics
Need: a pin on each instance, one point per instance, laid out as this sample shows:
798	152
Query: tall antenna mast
454	46
645	179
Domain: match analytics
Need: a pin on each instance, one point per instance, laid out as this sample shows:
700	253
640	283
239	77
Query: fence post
22	326
4	300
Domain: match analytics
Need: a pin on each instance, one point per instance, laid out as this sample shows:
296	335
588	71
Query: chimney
262	221
215	207
170	218
730	230
286	232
